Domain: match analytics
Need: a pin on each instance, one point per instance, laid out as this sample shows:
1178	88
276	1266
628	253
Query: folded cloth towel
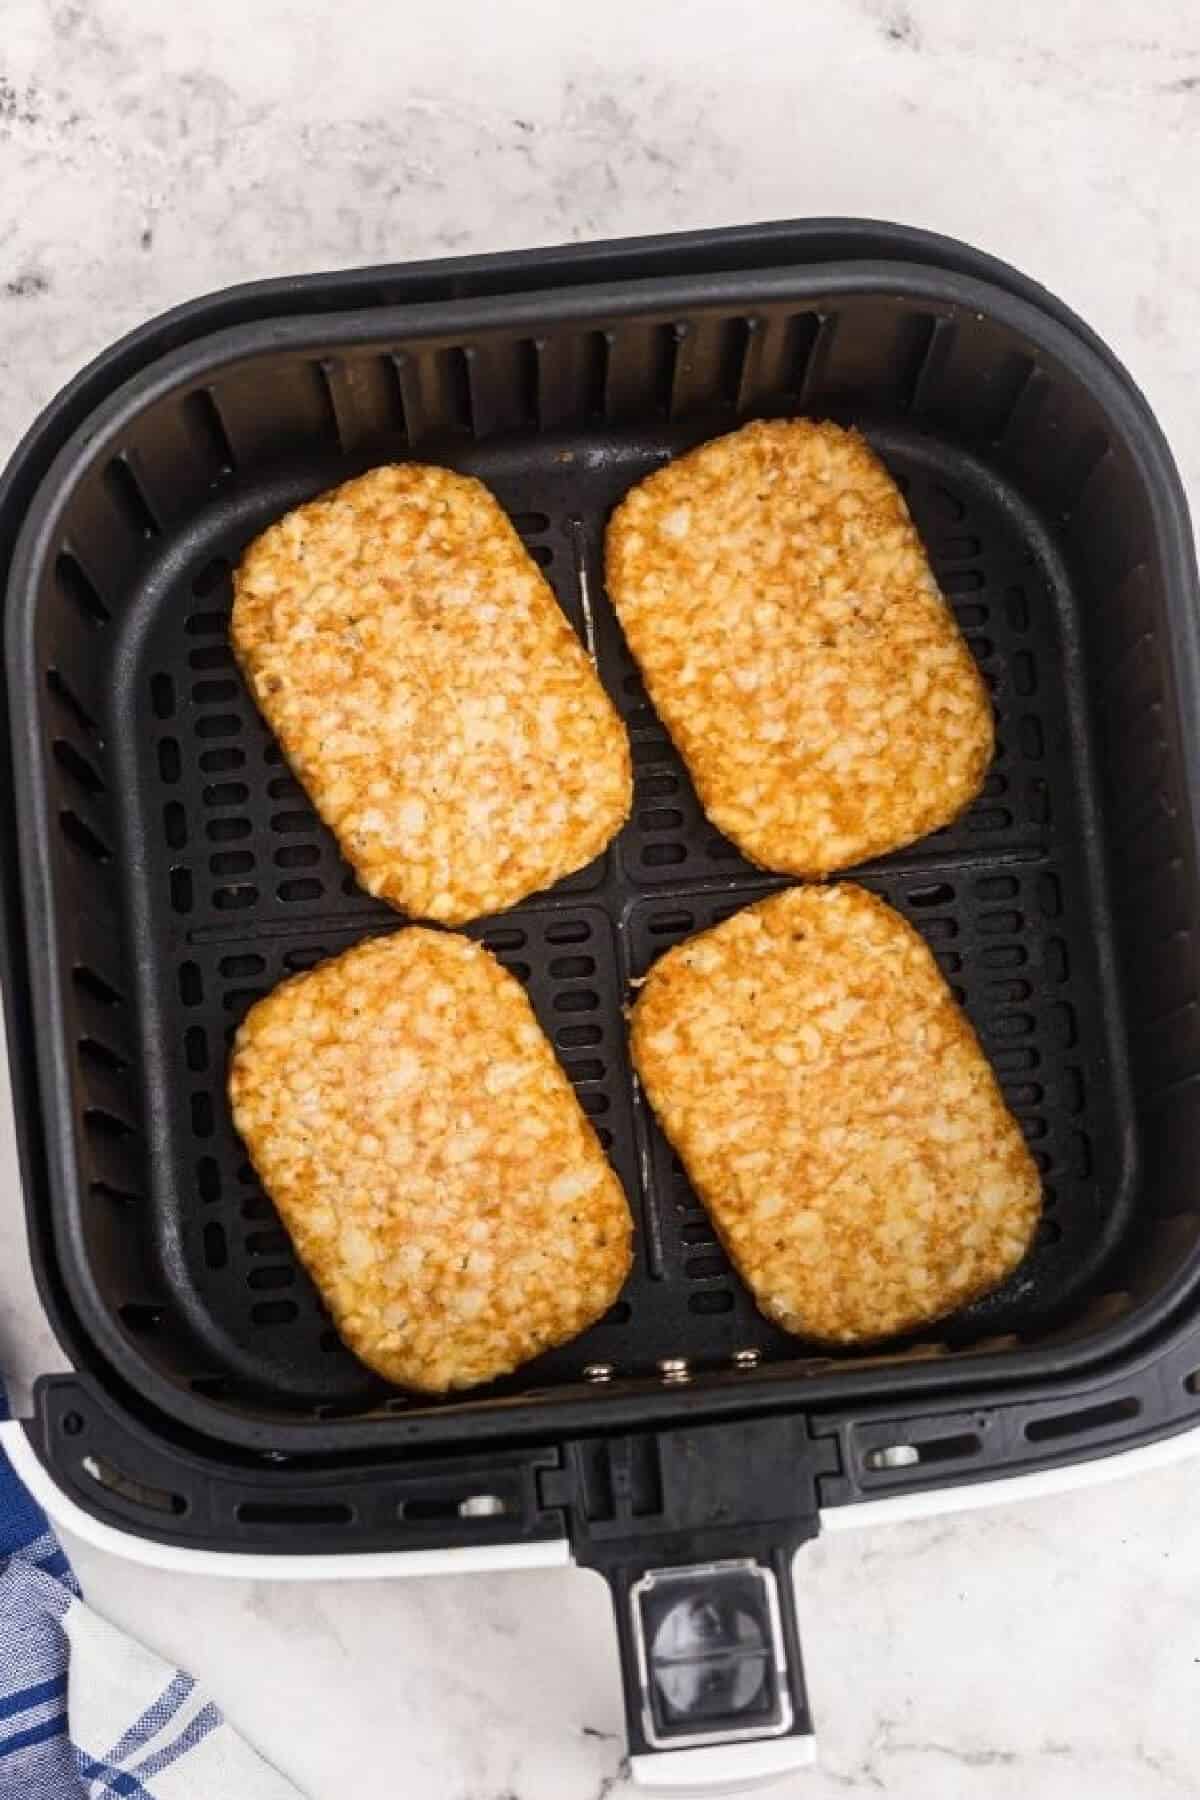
85	1712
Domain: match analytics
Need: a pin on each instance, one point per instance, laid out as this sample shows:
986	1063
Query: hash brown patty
429	693
791	636
836	1115
430	1160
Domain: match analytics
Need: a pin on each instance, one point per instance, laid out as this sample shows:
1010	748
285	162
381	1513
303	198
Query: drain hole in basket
181	890
211	656
227	831
304	959
208	1179
297	856
230	899
568	968
576	1000
175	825
570	931
578	1037
657	787
1003	956
191	985
206	624
218	762
141	1315
79	590
162	696
101	1056
195	1048
107	1475
510	938
937	894
1088	1418
293	821
226	793
698	1234
83	837
668	924
219	725
214	693
113	1196
266	1243
104	1124
590	1069
278	1275
285	787
95	986
711	1300
297	1512
170	762
274	1312
57	685
77	766
304	888
231	862
216	1249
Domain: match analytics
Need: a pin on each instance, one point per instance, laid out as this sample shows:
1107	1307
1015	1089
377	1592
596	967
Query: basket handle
695	1529
710	1659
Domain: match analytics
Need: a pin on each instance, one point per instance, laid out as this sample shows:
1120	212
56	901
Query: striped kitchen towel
85	1712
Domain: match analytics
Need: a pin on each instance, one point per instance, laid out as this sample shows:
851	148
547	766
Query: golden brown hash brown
790	633
836	1115
429	1159
429	693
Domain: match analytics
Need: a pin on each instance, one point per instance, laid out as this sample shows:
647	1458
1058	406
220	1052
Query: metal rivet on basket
598	1372
481	1506
675	1369
747	1359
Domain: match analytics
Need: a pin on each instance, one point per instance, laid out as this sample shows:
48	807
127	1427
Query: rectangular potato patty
430	1160
836	1115
429	693
790	633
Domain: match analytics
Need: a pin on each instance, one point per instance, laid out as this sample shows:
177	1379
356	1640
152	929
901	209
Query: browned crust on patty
784	616
836	1115
429	1158
429	693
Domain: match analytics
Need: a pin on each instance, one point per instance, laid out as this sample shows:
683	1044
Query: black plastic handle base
695	1531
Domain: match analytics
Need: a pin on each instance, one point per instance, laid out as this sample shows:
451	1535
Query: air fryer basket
171	870
174	870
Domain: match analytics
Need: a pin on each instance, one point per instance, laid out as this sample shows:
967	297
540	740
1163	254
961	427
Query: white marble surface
149	153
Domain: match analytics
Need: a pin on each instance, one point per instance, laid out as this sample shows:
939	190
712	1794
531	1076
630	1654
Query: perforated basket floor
231	883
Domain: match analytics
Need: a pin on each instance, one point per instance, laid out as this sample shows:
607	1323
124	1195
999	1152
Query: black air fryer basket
171	870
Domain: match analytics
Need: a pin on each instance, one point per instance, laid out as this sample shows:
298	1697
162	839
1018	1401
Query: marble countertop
147	155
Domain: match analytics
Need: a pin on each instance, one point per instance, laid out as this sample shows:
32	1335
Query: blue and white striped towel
85	1712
